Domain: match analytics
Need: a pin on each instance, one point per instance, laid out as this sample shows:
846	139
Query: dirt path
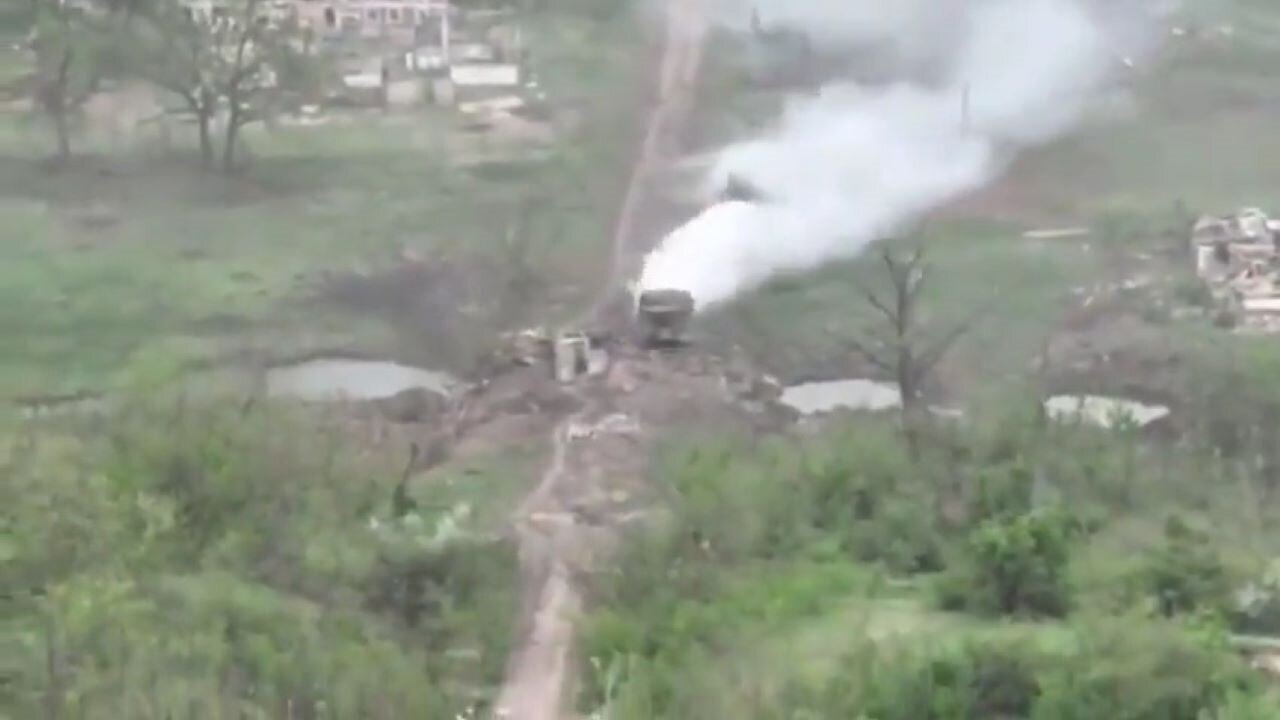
676	92
540	668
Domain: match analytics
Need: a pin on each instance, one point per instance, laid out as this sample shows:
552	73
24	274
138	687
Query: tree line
221	69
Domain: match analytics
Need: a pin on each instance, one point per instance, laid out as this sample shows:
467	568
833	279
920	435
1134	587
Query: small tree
231	65
72	54
1185	574
1015	565
905	353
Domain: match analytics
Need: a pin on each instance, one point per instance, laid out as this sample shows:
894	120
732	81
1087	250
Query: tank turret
663	316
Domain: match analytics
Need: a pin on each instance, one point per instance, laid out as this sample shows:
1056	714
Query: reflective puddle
337	379
856	394
1103	411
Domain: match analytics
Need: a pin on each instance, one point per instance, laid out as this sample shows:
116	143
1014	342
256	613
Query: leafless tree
905	350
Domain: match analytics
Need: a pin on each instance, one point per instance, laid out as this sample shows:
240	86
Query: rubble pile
1238	259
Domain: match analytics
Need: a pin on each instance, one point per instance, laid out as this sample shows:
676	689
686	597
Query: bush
1185	574
1014	566
977	680
1131	670
205	562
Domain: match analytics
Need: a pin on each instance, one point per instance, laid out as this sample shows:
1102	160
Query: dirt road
540	668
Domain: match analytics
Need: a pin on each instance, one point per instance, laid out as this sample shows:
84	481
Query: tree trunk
206	138
62	129
909	392
229	144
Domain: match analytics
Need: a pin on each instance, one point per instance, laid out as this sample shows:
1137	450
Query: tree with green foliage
74	47
1130	670
231	67
1185	573
205	562
1016	565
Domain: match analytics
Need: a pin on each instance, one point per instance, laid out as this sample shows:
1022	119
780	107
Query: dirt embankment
599	450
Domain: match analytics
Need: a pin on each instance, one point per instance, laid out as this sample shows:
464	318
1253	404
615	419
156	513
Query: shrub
212	562
1131	670
1185	574
1014	566
974	681
1124	671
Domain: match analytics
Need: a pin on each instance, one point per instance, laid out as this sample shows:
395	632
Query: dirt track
540	668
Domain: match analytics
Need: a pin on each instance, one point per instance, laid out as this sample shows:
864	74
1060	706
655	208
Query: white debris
1103	411
857	394
1056	233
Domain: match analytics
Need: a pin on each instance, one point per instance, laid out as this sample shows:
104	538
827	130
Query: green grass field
132	252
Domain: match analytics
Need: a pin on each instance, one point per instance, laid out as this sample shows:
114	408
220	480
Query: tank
662	316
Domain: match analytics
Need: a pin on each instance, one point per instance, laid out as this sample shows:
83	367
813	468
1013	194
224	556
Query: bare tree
228	66
903	351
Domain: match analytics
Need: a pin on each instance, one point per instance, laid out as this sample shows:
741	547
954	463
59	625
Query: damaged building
1238	259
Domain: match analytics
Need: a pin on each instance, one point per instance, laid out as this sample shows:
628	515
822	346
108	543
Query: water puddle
857	394
336	379
1103	411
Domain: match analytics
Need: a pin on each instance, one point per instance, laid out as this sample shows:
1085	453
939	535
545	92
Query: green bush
976	680
1131	670
1185	574
208	562
1014	566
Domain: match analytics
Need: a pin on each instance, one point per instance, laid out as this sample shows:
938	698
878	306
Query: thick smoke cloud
850	164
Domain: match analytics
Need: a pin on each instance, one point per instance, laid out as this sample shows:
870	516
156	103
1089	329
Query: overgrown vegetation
208	562
1067	532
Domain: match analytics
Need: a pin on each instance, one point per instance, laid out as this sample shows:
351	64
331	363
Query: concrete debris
473	75
1238	258
570	355
492	106
616	424
575	354
474	52
1268	663
406	52
597	360
854	394
1056	233
579	431
1106	412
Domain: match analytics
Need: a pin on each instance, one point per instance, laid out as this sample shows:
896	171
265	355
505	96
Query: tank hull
662	316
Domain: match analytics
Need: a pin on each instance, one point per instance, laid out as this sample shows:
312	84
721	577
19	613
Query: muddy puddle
1103	411
856	394
340	379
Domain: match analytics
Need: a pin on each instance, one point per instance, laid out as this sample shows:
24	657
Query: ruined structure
1238	260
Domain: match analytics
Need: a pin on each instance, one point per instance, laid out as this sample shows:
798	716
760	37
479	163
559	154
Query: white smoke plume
850	164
